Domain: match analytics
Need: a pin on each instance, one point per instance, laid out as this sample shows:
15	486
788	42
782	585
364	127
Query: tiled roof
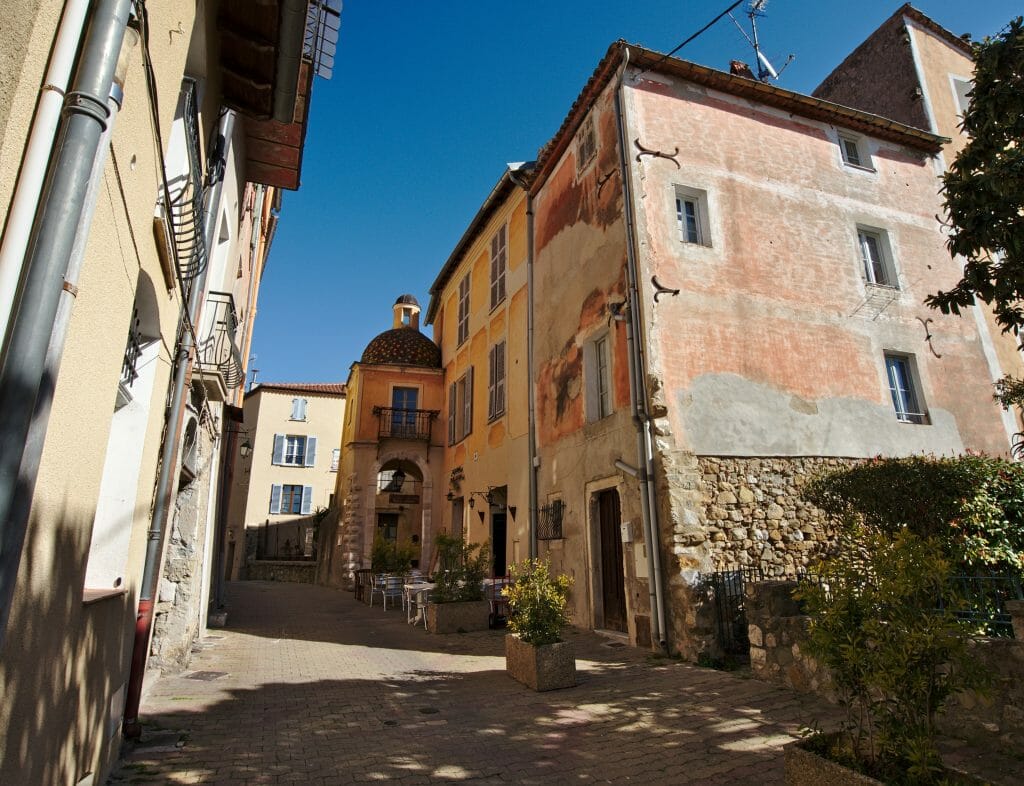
323	388
404	346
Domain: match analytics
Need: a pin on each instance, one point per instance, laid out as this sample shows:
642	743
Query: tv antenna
765	70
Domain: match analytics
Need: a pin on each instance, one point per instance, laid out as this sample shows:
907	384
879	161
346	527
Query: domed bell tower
407	312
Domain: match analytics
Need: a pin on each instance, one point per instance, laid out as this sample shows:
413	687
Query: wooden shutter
307	500
492	382
310	451
452	410
278	457
499	378
275	498
468	425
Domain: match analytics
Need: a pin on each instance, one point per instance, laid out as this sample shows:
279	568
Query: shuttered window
291	499
298	409
499	263
460	407
464	309
496	382
292	450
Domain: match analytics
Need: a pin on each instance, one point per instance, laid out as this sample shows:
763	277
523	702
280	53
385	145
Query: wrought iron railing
218	344
187	194
549	523
323	20
132	352
396	423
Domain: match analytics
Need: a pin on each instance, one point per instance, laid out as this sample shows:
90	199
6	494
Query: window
294	451
692	216
496	382
464	309
499	260
597	377
961	90
291	498
403	412
875	257
854	151
298	409
586	144
900	373
335	459
387	525
460	407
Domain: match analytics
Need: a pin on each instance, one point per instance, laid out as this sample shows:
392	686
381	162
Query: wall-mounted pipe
18	226
169	449
637	384
531	438
62	204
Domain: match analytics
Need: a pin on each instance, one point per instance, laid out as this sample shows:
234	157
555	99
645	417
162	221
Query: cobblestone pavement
307	686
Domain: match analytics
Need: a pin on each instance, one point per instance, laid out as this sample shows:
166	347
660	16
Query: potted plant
387	557
457	603
535	655
883	623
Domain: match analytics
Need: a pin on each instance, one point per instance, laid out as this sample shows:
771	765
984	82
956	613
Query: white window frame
860	149
598	377
869	265
294	450
335	459
905	388
697	233
499	265
586	144
463	315
277	499
496	362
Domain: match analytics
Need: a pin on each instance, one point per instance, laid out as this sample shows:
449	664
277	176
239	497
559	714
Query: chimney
739	68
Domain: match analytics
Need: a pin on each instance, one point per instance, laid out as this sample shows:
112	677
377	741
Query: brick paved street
308	686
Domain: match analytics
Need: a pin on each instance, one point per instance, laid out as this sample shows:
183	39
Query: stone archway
426	507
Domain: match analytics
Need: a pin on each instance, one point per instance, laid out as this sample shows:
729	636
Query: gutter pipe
291	35
637	386
37	153
169	451
24	375
531	396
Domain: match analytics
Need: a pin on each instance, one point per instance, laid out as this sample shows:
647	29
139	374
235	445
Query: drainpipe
23	375
37	153
637	385
169	450
531	438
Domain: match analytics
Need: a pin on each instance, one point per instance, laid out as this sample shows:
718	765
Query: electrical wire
704	29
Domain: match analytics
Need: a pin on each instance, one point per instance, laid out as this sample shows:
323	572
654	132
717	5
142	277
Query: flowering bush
461	568
537	602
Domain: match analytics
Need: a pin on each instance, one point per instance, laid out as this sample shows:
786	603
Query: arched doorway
399	499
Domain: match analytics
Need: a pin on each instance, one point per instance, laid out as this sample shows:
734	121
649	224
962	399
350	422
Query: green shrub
973	504
537	602
390	556
461	569
893	656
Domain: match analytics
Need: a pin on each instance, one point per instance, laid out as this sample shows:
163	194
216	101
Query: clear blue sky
428	102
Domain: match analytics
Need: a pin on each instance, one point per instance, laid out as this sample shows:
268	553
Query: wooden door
499	534
613	583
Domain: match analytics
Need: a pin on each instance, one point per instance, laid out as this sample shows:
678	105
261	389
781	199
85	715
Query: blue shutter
307	500
278	457
310	451
275	498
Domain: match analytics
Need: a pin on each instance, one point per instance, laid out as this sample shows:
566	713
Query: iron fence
549	523
404	423
727	588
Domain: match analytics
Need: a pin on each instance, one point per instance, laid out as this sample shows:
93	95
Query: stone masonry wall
777	632
754	516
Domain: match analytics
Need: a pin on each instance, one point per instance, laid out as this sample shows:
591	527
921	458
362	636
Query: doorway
499	534
613	583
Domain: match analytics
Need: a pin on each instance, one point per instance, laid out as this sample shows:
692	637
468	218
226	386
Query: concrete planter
461	617
547	667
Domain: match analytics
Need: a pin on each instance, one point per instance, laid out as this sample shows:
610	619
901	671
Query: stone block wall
754	516
283	570
777	632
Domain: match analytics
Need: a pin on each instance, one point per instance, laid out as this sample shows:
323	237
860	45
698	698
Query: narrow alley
306	685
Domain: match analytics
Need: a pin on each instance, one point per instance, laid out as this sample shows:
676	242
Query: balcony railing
218	343
404	423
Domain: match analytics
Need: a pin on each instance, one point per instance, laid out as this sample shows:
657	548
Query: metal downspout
18	226
23	374
169	449
637	386
531	396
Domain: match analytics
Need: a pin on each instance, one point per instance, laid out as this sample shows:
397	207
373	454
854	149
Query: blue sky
430	100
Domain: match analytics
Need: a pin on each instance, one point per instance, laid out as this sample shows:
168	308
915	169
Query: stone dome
407	300
403	346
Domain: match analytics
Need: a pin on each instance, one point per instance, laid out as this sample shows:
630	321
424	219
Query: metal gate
730	615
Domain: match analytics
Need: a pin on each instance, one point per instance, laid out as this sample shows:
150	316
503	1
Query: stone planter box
461	617
548	667
804	768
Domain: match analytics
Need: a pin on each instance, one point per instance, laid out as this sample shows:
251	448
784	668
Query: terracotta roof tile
324	388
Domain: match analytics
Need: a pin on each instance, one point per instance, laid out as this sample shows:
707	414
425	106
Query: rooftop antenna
765	70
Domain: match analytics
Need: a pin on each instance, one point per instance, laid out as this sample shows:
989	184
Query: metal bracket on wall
644	151
604	179
928	335
660	290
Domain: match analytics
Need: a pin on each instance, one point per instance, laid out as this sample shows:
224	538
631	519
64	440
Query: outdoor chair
387	587
498	602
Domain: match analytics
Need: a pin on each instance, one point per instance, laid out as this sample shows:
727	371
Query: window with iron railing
549	522
218	342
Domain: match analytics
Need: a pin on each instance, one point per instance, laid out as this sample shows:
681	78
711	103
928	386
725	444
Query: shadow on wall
62	662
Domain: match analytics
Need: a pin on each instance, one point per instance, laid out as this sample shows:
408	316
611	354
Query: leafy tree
984	188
